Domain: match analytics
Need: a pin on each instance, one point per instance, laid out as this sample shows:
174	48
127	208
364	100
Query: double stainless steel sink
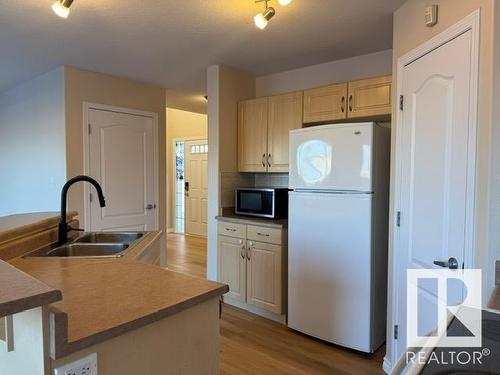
93	245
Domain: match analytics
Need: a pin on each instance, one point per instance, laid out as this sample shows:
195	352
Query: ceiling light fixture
61	8
284	2
263	18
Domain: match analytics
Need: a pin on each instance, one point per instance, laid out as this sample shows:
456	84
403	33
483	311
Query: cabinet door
252	135
285	114
232	266
370	97
264	278
326	103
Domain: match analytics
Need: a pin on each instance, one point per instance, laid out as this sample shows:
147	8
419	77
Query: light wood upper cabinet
232	265
263	128
264	276
328	103
252	135
370	97
284	114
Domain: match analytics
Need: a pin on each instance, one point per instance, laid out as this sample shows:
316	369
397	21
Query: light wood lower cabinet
264	276
232	266
254	270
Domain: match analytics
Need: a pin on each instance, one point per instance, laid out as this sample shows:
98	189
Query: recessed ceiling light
284	2
61	8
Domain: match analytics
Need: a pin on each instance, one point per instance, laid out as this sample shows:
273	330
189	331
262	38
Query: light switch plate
84	366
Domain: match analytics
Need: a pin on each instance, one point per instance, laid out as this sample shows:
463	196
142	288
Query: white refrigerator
338	224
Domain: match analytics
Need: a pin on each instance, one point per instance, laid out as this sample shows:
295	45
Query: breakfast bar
134	315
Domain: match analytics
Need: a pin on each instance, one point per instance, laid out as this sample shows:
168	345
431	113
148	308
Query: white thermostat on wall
431	15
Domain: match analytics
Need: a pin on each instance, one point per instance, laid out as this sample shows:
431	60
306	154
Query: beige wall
225	87
409	33
359	67
181	124
84	86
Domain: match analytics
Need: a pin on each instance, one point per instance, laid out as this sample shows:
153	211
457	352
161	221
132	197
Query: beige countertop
229	216
20	292
104	298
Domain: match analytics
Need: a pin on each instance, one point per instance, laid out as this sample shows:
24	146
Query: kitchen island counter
103	298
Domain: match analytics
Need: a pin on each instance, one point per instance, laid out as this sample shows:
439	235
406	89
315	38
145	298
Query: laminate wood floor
253	345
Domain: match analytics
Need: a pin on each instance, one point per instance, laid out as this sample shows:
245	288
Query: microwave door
255	202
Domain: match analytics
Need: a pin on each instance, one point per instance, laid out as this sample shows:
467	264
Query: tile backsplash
230	181
271	180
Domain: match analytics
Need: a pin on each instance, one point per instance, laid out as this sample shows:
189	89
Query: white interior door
434	174
122	160
196	169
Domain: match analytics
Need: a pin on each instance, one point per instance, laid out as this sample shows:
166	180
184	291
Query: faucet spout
63	226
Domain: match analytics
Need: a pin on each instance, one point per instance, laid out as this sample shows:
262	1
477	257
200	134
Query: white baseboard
387	366
256	310
170	230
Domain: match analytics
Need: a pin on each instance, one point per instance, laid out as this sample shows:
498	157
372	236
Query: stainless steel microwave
270	203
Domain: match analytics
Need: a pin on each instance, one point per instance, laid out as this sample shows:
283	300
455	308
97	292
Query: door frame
87	106
172	174
469	23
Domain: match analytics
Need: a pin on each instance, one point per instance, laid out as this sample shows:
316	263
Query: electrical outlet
84	366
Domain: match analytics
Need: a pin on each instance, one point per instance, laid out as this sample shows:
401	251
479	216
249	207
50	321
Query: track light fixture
61	8
261	19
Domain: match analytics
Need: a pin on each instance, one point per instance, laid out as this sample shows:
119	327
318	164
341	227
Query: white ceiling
171	42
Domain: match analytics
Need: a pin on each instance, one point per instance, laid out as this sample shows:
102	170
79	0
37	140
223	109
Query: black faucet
63	226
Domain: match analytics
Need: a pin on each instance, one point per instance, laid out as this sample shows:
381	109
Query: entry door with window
122	159
435	175
195	187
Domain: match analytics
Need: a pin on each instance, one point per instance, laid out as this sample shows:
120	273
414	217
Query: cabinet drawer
264	234
232	229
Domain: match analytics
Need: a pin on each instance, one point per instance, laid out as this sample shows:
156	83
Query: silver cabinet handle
350	103
230	229
150	206
269	160
263	234
243	251
249	249
263	160
342	106
452	263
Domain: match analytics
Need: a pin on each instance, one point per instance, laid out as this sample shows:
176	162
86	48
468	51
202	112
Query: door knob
150	206
452	263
